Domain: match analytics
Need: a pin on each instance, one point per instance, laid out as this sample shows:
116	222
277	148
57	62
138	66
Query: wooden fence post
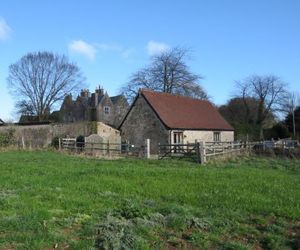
202	152
107	147
199	158
23	143
59	144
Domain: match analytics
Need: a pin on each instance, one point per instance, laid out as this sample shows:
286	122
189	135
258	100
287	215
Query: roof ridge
175	95
116	95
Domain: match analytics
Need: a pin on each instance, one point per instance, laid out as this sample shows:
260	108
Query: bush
278	131
7	138
130	210
246	131
55	142
115	233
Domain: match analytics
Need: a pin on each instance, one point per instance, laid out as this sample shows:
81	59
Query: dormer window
106	110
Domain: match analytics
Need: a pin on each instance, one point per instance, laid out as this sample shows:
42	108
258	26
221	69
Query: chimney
96	98
68	98
85	93
99	91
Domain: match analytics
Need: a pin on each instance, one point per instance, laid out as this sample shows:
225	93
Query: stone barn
172	119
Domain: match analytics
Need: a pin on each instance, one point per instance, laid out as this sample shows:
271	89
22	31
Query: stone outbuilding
172	119
108	133
107	141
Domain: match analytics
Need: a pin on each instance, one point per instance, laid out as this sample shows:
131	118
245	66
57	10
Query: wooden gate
181	151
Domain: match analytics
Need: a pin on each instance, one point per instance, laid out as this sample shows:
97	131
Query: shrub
55	142
278	131
7	138
130	210
115	233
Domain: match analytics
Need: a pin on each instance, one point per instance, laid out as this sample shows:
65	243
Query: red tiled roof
179	112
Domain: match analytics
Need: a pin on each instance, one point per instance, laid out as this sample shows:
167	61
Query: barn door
177	139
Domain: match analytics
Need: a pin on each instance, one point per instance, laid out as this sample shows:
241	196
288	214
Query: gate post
198	152
202	152
148	148
59	143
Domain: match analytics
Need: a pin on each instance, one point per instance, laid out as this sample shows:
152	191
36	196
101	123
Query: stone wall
141	124
38	136
108	133
189	136
120	109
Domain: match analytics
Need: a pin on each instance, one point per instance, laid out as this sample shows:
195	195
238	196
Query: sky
110	40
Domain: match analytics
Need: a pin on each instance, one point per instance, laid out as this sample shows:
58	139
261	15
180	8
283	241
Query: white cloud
5	30
109	47
83	48
90	50
154	48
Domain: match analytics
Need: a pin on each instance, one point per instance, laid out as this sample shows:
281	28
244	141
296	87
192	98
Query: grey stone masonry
142	123
97	106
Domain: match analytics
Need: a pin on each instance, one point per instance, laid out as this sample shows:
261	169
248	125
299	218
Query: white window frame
217	136
106	110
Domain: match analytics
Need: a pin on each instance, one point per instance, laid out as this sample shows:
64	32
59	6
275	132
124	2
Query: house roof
179	112
1	122
116	98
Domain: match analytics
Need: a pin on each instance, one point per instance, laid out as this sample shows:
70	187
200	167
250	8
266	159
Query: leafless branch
167	72
42	79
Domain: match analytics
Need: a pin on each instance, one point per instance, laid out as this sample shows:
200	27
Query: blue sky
110	40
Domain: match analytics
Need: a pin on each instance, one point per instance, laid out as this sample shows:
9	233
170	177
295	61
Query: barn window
106	110
217	136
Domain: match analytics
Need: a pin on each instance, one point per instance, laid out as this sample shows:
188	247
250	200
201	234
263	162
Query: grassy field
50	200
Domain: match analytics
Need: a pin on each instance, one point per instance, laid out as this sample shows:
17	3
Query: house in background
97	106
172	119
1	122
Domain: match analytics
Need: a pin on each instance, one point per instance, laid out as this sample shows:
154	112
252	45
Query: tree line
261	108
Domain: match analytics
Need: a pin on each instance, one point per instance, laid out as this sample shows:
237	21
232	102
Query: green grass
49	199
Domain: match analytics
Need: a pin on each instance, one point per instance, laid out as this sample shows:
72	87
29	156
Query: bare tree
289	106
41	79
241	113
25	108
292	121
167	72
269	91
